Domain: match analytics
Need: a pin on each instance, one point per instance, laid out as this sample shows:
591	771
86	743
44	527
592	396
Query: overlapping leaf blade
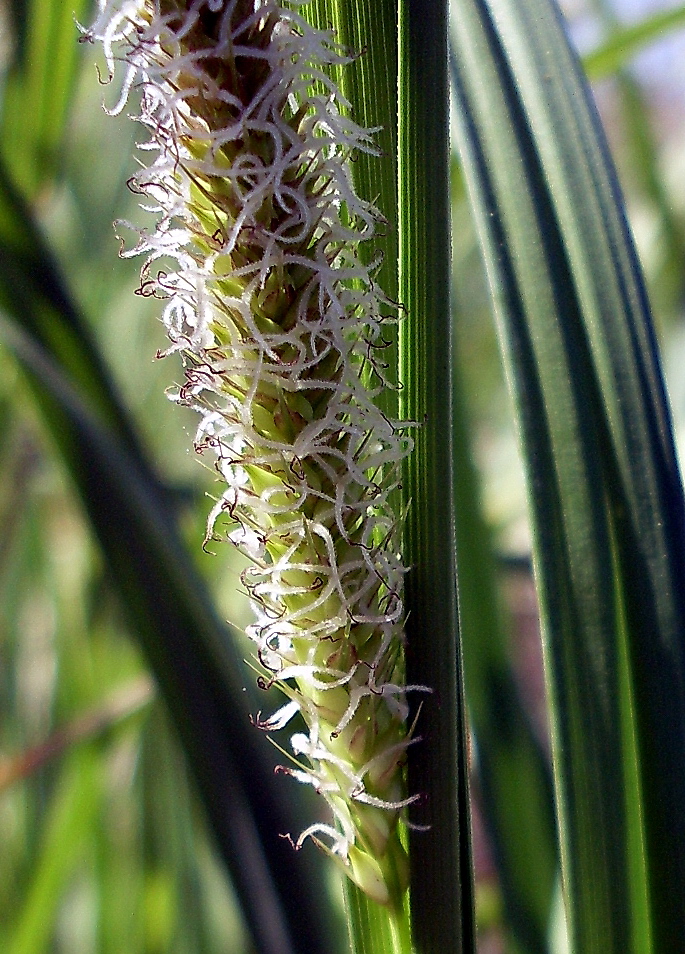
605	491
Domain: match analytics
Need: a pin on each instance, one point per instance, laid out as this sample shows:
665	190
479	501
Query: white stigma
278	320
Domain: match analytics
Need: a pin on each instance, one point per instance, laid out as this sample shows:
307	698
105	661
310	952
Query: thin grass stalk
441	874
368	32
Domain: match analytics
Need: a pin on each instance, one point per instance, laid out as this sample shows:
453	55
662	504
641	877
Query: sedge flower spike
278	321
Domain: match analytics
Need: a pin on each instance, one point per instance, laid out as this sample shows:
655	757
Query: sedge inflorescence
279	324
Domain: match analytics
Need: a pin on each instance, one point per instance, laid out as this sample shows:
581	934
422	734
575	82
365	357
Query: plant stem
441	879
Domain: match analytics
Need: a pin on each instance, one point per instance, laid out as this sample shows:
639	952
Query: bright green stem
370	84
373	928
441	876
368	30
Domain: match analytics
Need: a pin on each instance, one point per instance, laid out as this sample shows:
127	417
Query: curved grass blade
625	42
513	779
606	495
441	881
368	32
32	288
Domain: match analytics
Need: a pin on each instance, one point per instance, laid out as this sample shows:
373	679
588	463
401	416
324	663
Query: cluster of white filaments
256	256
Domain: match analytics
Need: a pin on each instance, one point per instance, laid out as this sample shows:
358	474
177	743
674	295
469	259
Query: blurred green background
104	847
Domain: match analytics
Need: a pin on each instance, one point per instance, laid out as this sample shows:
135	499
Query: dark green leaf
442	879
605	491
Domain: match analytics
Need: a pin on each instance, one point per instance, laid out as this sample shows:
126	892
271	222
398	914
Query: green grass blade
513	778
368	31
624	42
441	885
69	826
39	87
513	774
606	495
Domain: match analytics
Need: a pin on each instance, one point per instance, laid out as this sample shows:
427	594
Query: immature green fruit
278	320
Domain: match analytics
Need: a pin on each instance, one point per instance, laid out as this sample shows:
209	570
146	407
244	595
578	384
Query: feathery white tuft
255	255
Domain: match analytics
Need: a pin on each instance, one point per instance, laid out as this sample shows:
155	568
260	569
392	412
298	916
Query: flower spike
278	321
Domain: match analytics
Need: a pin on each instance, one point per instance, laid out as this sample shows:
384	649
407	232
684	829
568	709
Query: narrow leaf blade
442	879
606	496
